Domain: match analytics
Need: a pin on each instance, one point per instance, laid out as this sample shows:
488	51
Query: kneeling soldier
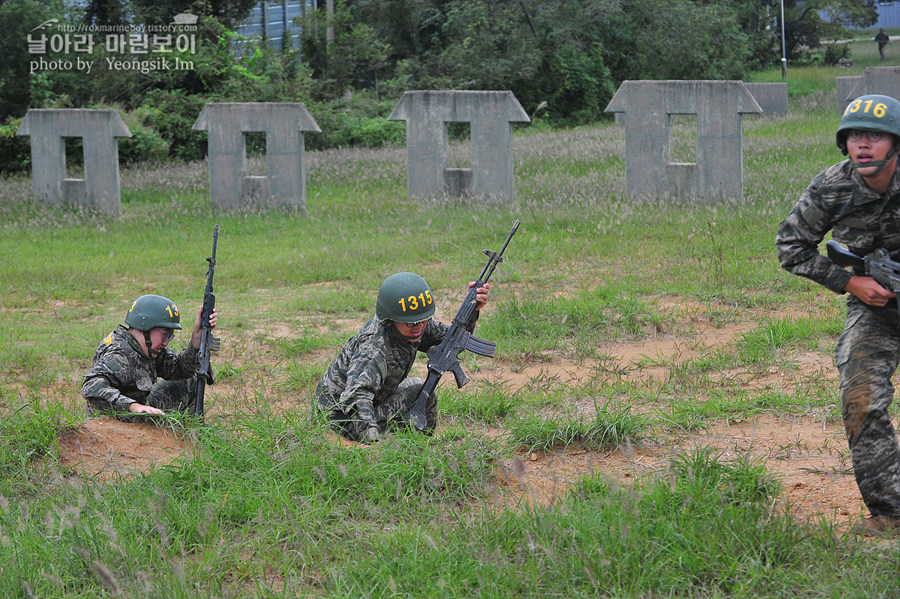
366	389
130	359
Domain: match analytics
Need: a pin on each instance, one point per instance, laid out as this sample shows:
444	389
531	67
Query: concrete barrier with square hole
283	123
719	106
98	129
490	115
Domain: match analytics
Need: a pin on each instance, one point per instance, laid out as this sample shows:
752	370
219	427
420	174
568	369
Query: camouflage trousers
389	413
866	355
168	396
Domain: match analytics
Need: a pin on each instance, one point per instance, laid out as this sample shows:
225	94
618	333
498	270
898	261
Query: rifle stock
842	256
459	337
208	342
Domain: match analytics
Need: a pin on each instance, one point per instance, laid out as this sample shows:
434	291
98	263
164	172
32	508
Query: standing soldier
365	391
129	360
883	40
858	200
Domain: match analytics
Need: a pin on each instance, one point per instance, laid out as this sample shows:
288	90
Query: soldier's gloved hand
372	435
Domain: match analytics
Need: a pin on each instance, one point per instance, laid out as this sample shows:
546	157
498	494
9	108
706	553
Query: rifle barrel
495	259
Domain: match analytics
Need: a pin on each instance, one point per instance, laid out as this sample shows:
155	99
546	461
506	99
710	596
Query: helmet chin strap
152	354
879	163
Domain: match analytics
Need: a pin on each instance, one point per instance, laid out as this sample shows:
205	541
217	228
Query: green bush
15	151
835	52
144	145
171	115
361	122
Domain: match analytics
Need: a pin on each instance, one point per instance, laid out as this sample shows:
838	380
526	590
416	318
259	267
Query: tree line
563	59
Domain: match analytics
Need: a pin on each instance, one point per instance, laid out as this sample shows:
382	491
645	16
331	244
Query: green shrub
15	151
144	145
172	115
835	52
362	123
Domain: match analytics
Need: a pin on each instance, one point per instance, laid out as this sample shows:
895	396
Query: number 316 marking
879	111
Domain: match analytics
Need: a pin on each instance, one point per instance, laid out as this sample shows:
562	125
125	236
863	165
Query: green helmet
151	311
404	297
872	112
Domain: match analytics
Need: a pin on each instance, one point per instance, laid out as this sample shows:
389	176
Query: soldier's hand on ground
139	408
372	435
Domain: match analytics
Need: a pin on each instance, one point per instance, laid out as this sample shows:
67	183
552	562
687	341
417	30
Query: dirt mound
107	448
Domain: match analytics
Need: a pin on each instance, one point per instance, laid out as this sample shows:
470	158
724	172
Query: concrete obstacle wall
231	187
874	80
490	114
99	189
843	87
771	97
718	105
648	106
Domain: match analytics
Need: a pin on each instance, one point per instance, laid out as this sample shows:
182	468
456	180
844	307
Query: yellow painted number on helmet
172	310
416	301
878	111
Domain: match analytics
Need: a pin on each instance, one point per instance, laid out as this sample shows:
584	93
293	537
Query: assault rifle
445	355
208	342
877	264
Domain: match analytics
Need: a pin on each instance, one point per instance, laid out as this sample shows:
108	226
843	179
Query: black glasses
417	323
167	334
872	136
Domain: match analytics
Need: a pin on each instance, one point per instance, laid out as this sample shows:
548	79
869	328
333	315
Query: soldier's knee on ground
173	396
431	413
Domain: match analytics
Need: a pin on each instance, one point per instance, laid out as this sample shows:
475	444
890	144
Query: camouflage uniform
366	385
122	374
868	351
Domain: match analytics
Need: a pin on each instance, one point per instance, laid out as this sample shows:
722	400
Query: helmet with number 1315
404	297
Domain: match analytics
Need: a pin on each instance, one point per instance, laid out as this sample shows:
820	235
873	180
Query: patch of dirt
107	448
808	458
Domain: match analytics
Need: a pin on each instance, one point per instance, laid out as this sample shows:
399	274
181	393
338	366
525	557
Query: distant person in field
365	391
858	200
883	40
128	362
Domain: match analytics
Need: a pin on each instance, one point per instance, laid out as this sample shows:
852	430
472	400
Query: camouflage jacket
371	365
122	374
838	200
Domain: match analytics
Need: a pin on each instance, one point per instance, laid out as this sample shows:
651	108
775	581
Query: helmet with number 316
151	311
873	112
404	297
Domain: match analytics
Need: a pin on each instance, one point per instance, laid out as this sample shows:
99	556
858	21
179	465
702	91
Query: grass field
568	467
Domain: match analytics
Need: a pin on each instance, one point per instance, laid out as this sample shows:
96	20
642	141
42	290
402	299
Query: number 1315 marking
415	302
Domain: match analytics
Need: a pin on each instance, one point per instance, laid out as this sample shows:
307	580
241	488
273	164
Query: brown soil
807	452
107	448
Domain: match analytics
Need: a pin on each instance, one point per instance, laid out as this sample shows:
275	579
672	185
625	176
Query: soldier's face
159	338
862	149
411	331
